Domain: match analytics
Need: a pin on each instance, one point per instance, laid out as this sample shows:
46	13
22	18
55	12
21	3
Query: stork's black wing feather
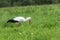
12	21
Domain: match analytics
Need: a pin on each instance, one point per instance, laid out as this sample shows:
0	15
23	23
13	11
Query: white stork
19	20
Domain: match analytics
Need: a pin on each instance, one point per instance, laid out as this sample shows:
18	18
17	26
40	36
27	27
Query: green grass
45	23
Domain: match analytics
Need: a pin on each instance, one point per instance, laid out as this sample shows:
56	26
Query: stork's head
28	19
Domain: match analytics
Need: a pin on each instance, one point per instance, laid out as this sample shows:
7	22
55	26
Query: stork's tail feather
9	20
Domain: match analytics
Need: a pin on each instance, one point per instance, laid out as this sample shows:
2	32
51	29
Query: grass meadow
45	23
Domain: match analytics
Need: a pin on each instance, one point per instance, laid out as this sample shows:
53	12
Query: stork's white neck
28	18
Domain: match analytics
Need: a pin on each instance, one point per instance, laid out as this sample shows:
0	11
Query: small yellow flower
32	33
20	33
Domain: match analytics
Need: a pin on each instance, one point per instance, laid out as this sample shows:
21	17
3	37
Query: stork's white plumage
22	19
19	19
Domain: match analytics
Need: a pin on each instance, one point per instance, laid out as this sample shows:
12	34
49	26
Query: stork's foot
19	24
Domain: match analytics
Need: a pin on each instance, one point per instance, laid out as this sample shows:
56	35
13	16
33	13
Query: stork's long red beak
30	21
